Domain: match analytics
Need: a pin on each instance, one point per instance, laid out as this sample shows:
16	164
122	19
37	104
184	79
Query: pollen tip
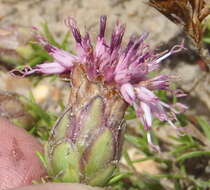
70	22
102	26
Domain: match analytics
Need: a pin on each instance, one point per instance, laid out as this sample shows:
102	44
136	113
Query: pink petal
64	58
50	68
147	117
128	93
146	95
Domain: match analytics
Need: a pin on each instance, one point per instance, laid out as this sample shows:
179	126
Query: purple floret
126	68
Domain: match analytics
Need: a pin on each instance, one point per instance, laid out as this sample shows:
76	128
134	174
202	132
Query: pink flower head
127	68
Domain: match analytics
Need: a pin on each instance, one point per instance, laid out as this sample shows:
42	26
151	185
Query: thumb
58	186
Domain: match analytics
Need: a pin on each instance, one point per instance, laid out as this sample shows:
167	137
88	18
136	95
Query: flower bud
85	144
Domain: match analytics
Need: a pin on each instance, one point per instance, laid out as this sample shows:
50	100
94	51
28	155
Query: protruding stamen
117	36
140	40
26	71
178	93
180	107
102	26
175	49
178	48
130	43
75	31
43	41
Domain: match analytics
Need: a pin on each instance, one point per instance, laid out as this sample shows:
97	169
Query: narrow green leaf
205	126
130	114
162	95
192	154
42	159
35	61
117	178
64	43
128	160
136	141
206	39
49	35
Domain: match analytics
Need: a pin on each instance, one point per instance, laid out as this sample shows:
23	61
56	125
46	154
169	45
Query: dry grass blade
188	13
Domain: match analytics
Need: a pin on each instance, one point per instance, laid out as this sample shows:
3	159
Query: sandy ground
134	13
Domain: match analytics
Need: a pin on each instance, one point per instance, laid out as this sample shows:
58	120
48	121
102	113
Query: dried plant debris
19	46
117	2
25	113
10	105
188	13
13	108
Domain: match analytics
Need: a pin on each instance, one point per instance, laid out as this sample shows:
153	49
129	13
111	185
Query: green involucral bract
85	143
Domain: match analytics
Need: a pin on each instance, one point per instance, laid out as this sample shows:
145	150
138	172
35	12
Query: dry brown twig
190	14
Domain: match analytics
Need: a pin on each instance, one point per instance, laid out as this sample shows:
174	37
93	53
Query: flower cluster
125	68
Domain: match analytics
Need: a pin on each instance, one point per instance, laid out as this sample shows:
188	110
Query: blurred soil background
138	17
